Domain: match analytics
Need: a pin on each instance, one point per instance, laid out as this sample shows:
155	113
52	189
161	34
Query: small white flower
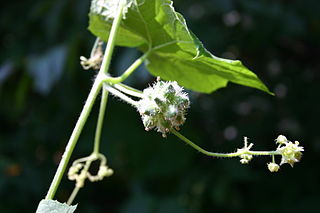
245	158
108	8
80	173
290	152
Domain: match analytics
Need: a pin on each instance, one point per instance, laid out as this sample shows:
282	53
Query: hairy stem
128	90
88	105
120	95
96	46
224	155
129	71
103	104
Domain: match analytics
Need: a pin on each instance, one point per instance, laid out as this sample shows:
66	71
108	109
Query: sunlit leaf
177	53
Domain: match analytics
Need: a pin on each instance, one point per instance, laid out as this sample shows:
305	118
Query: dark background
43	88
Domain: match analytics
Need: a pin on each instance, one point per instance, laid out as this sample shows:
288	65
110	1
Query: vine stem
111	41
77	188
74	138
88	105
73	195
120	95
103	104
223	155
95	47
129	90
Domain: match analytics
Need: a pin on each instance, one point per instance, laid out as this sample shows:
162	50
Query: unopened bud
273	167
281	139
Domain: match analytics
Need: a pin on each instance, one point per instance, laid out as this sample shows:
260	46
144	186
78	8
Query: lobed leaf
177	54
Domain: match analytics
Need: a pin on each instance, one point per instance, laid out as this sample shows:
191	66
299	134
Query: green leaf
177	54
53	206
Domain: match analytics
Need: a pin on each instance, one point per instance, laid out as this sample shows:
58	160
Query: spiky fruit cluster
163	106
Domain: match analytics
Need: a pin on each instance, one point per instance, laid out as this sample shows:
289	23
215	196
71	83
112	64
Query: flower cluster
79	170
163	106
245	158
290	152
108	8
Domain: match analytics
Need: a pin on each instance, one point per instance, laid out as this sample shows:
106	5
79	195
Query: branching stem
112	36
88	105
223	155
103	104
74	138
128	90
119	94
129	71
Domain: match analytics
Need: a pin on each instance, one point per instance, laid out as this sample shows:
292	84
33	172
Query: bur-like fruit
163	106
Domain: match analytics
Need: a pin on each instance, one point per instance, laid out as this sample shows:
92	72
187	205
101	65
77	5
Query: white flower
290	152
108	8
245	158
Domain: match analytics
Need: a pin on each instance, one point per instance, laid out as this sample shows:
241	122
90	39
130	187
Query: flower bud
273	167
245	158
281	139
104	171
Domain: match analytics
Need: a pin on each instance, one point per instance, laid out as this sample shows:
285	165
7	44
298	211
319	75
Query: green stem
130	70
128	90
73	195
74	138
103	104
88	105
120	95
224	155
112	38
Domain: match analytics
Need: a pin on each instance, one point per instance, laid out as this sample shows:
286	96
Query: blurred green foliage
43	88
